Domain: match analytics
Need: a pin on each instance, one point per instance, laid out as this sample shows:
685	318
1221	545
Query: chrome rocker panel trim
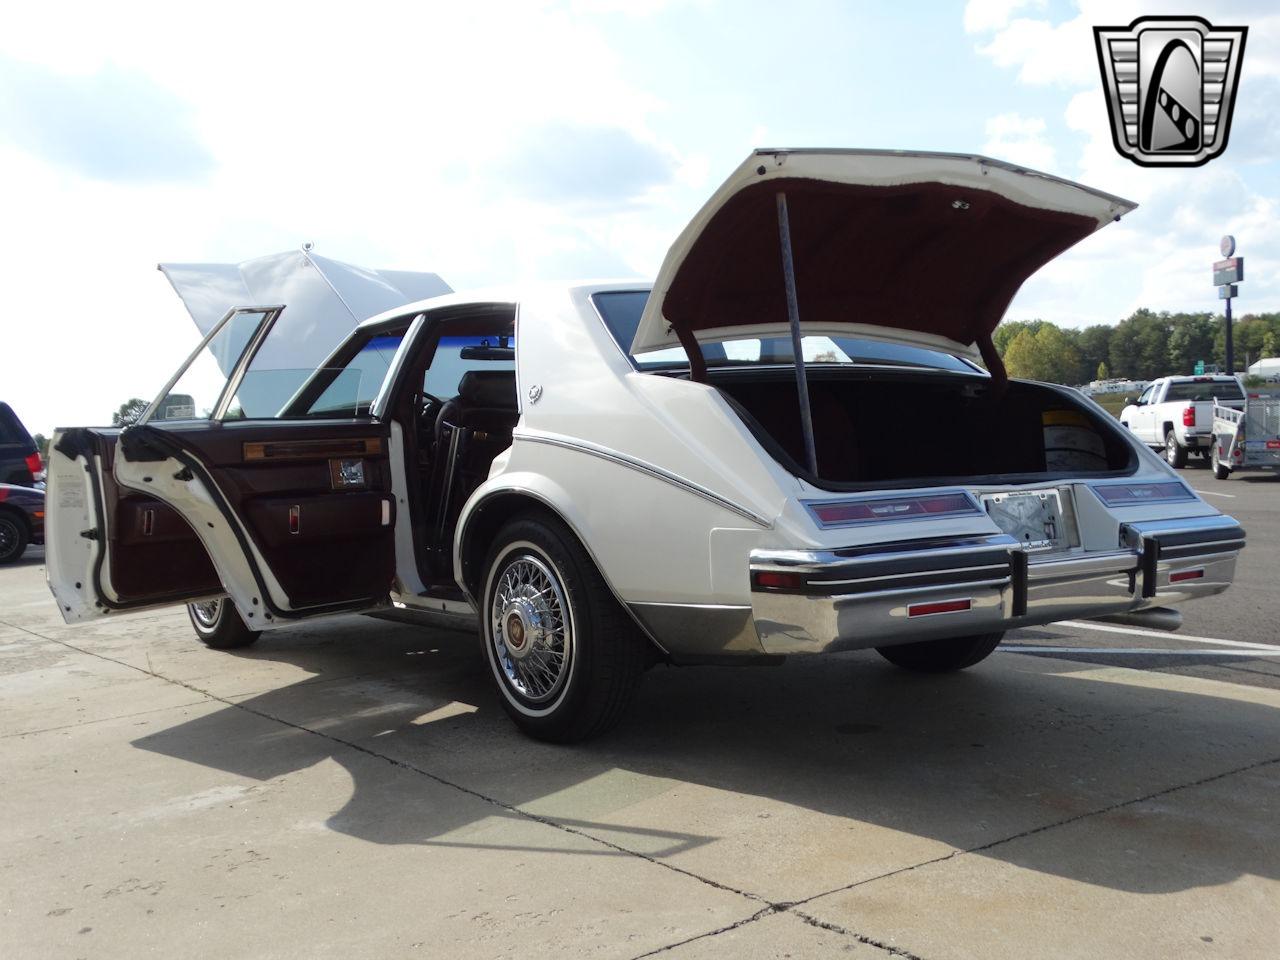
859	598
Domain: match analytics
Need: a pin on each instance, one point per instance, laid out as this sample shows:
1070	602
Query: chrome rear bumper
929	589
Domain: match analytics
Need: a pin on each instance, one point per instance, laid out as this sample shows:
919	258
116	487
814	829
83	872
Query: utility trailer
1247	439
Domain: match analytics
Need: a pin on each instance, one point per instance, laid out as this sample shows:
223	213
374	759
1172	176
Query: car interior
458	390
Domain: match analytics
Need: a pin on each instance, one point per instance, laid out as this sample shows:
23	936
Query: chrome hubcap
206	613
532	639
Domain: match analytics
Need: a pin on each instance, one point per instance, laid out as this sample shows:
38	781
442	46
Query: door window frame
270	315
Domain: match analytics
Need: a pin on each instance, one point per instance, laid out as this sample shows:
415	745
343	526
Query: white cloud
1019	140
363	133
981	16
1160	255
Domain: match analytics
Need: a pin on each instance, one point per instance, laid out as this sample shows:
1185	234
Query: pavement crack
1032	831
759	914
860	937
413	768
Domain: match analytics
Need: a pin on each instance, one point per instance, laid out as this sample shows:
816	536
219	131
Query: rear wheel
1174	452
565	656
219	626
1220	470
13	537
942	656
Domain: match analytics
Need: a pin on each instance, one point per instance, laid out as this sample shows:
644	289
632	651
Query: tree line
1143	346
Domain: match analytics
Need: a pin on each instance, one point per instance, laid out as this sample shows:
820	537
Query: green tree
1047	353
42	444
1103	373
128	412
1190	339
1094	344
1008	331
1268	344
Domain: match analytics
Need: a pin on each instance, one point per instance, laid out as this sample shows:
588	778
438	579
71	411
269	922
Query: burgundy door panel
311	497
318	546
153	554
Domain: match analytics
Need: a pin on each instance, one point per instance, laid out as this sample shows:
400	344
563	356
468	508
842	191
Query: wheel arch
489	511
1167	429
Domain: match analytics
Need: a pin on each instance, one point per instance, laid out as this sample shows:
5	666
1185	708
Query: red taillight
34	463
938	606
891	508
1189	417
1185	575
777	580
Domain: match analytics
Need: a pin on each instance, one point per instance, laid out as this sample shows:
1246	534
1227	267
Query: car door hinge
184	475
90	534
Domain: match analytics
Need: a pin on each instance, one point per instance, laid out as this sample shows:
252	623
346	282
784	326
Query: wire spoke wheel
530	628
206	613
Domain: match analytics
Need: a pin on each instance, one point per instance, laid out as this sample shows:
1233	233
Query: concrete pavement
353	789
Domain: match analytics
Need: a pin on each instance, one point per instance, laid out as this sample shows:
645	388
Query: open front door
270	485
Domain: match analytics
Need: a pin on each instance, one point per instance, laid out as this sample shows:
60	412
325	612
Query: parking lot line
1107	628
1141	651
1215	493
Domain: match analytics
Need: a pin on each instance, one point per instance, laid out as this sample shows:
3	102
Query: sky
531	140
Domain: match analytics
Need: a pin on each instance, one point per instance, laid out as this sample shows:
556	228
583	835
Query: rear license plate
1034	518
1273	444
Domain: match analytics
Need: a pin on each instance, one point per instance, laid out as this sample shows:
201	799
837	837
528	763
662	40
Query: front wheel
942	656
565	656
1220	470
219	626
1174	452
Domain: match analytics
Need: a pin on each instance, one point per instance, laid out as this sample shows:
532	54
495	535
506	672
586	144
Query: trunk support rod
793	315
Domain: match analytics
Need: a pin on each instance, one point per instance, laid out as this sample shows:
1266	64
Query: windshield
621	311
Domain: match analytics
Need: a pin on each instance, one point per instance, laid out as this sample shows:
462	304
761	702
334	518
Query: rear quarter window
11	429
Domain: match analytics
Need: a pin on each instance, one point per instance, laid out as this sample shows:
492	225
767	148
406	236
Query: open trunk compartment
884	428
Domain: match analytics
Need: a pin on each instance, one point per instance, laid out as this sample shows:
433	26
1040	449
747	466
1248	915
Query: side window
196	392
454	356
352	387
1145	397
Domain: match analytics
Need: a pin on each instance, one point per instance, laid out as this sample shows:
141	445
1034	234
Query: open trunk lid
921	248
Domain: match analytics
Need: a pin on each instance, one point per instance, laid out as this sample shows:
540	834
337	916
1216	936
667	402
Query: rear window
1205	390
11	429
621	313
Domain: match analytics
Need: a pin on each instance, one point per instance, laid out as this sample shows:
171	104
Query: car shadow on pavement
981	761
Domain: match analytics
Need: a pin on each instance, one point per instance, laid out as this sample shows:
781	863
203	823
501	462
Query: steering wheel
428	407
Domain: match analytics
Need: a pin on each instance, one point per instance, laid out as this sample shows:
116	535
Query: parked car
1175	414
21	520
20	461
608	475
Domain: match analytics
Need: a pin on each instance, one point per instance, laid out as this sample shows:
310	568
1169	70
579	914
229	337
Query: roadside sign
1230	270
1199	370
1228	291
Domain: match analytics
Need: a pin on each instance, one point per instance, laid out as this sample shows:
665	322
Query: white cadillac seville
785	445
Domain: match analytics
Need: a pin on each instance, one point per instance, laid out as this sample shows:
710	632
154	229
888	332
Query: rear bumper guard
818	601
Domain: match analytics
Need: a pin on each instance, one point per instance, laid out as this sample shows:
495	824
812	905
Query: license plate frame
1035	518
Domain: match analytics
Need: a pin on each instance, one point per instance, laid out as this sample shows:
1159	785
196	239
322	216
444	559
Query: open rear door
270	485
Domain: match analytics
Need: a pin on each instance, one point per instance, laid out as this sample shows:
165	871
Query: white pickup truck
1176	413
